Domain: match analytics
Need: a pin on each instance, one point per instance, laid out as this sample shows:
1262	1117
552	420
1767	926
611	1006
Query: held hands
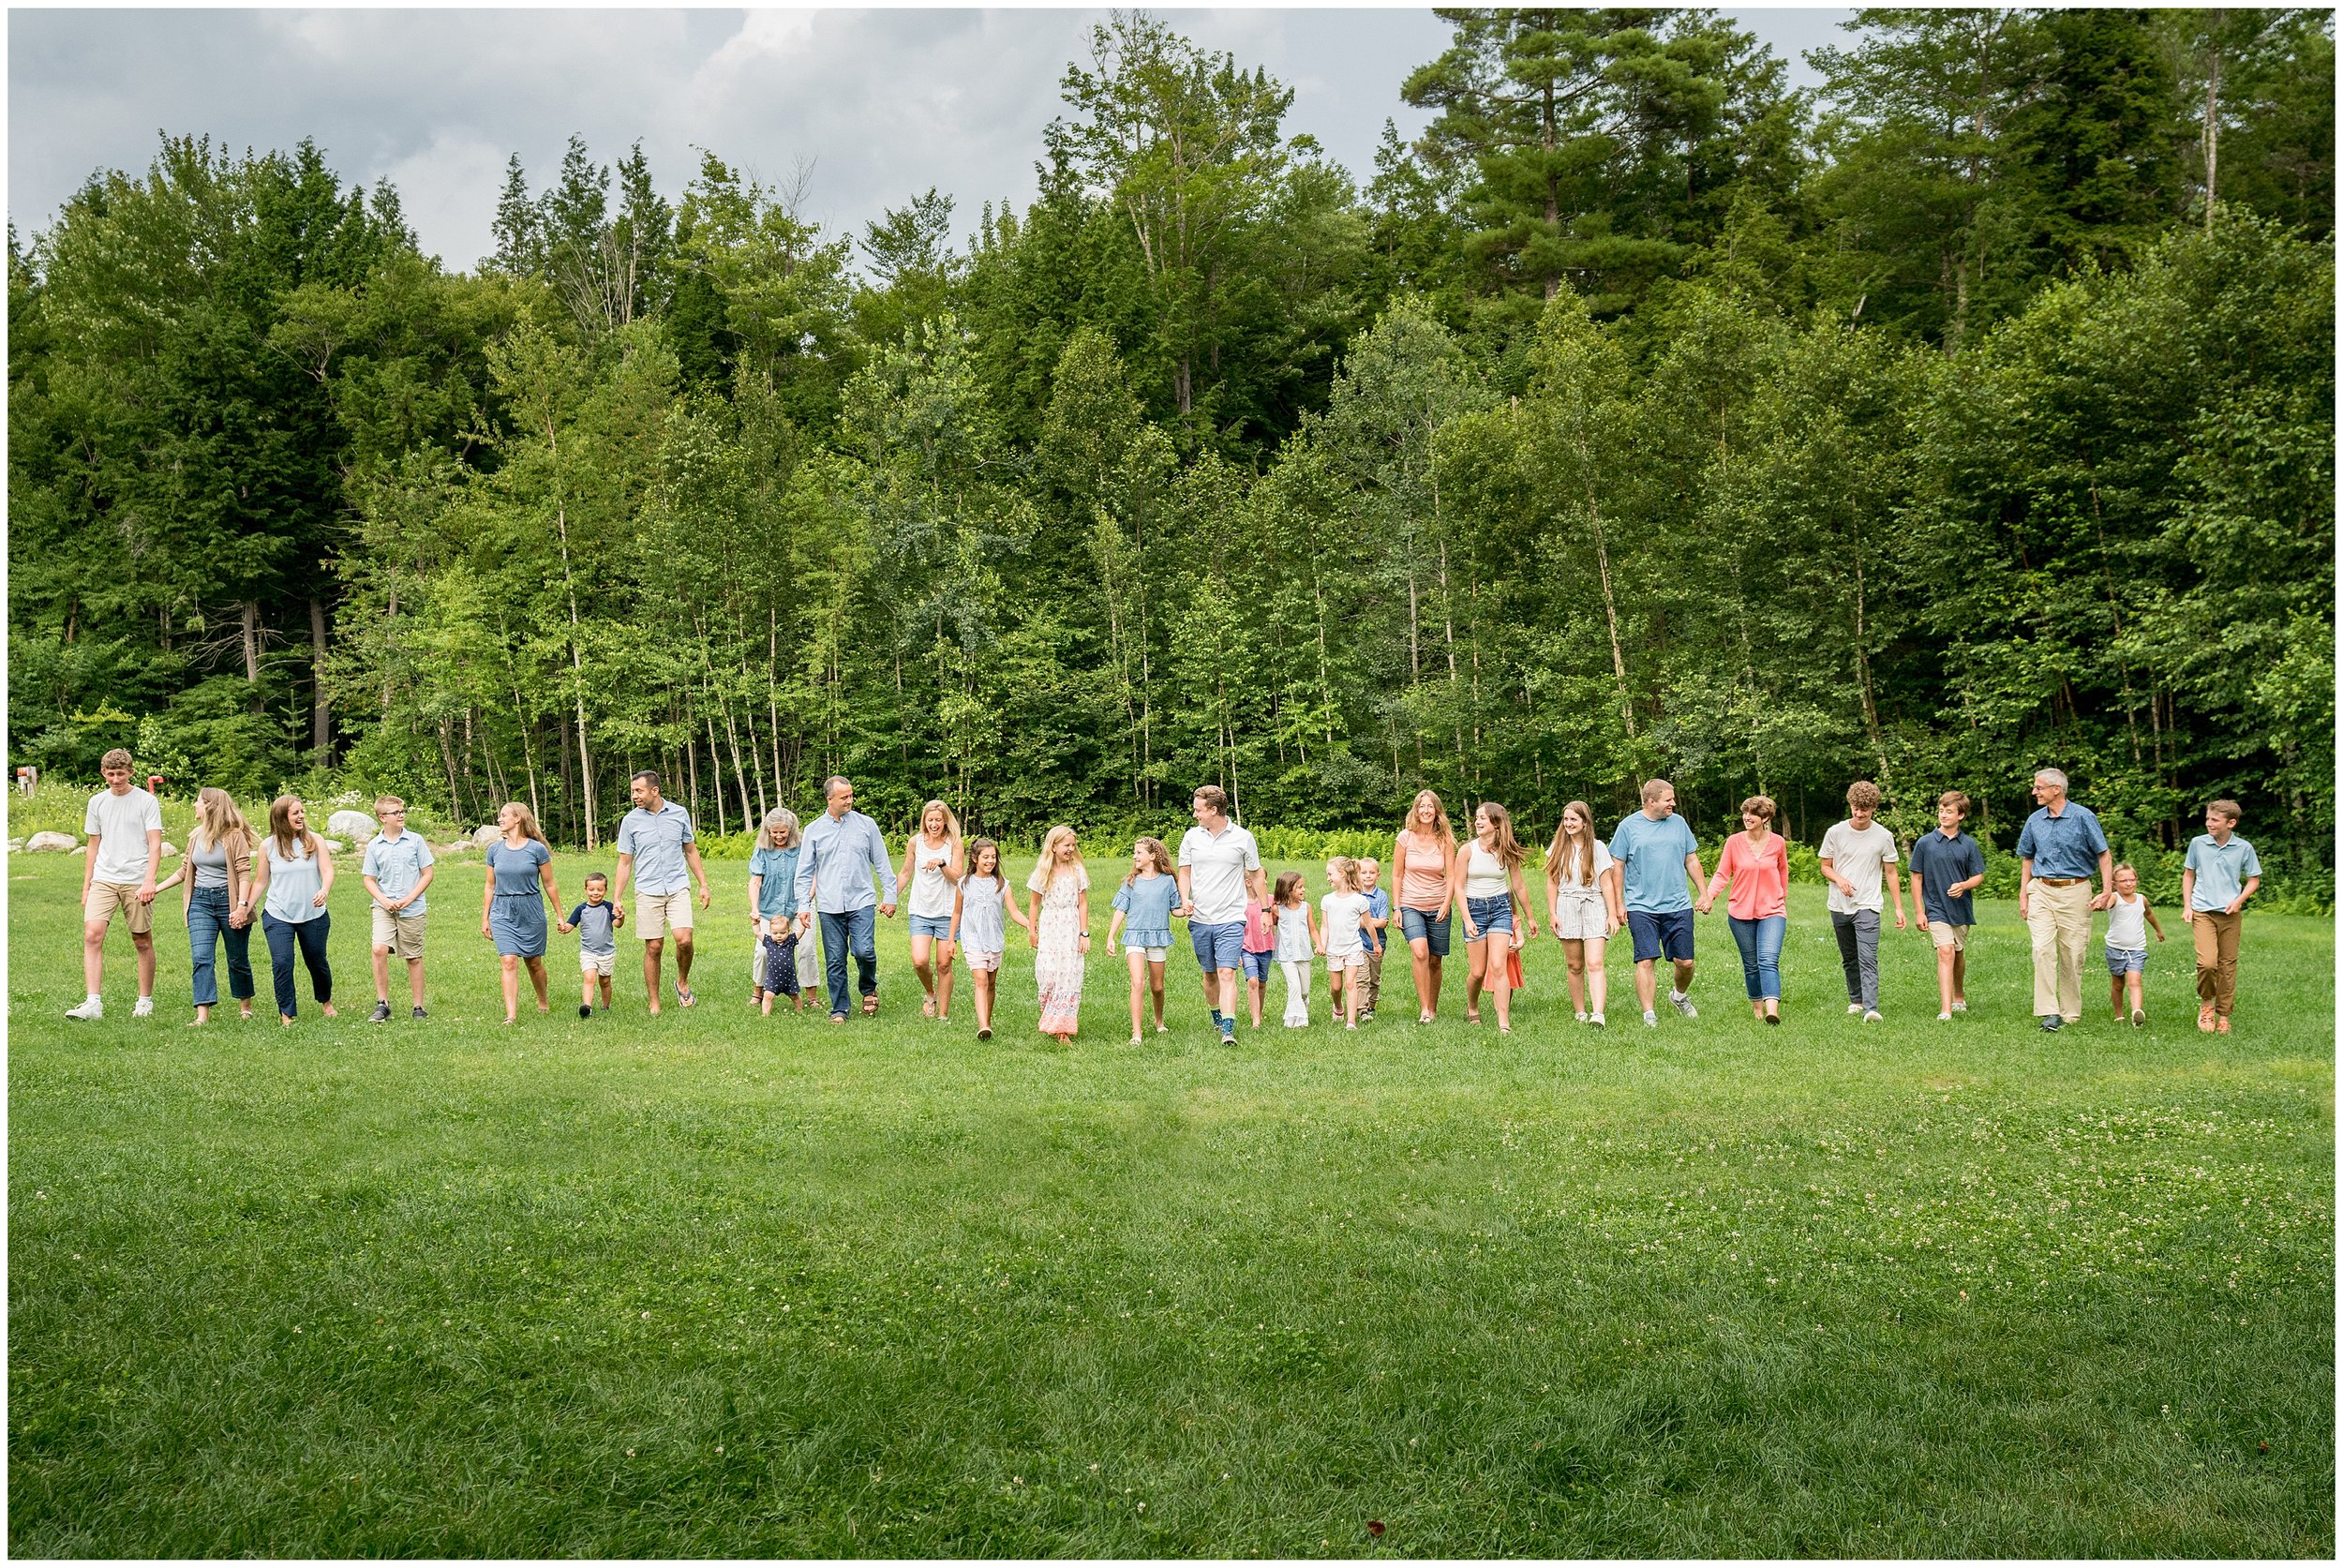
618	915
563	927
1705	904
888	910
146	892
2103	900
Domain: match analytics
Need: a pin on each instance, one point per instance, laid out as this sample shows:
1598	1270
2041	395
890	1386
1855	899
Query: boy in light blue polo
2221	873
1655	849
396	869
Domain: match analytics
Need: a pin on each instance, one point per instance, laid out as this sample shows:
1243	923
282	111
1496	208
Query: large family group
1647	878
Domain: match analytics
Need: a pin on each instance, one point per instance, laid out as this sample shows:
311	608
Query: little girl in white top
1297	944
1343	907
2128	921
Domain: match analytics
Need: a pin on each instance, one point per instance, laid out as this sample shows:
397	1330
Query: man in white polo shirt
1219	865
655	845
124	825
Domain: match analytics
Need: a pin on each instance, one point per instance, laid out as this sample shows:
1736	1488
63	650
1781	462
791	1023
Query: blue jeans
311	936
1760	942
207	927
856	931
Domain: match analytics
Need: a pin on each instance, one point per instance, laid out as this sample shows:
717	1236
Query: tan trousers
2216	959
2060	919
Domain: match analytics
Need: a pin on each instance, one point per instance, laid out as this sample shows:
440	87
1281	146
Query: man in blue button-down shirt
2061	844
839	874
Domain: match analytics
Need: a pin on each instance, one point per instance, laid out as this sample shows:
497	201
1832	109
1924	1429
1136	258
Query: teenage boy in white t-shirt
1854	855
124	825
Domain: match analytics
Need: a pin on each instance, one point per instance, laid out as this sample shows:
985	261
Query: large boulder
333	847
486	834
48	844
170	850
355	826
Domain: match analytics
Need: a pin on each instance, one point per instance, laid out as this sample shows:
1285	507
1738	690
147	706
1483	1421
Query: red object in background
155	783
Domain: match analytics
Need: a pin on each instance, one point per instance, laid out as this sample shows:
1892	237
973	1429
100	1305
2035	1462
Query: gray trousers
1859	955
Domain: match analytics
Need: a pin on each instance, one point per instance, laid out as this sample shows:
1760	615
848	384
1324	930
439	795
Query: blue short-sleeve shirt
2067	846
1652	856
396	865
777	895
1939	862
2221	870
1146	904
656	840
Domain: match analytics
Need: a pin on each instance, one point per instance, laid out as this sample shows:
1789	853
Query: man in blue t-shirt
1946	867
1655	850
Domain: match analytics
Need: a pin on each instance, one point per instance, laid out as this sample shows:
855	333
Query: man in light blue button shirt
839	874
2057	851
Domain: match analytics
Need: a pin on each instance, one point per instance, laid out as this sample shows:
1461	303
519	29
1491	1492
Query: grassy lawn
715	1285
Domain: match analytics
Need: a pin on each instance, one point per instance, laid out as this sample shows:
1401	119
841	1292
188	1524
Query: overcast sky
881	104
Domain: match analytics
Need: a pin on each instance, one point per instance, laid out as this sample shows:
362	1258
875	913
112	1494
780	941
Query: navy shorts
1656	934
1217	945
1415	925
1258	966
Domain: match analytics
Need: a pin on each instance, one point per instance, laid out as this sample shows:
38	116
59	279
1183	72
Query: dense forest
1971	414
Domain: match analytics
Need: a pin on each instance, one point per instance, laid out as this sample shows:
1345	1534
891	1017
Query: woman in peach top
1756	862
1423	858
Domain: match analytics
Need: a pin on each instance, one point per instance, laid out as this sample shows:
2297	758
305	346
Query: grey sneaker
382	1013
419	1013
1682	1004
1651	1018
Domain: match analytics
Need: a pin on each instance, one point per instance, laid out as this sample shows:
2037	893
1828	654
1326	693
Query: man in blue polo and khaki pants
2057	852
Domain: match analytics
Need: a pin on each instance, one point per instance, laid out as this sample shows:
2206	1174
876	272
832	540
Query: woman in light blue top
292	876
513	903
1145	902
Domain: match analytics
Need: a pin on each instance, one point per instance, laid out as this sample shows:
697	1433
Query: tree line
1644	416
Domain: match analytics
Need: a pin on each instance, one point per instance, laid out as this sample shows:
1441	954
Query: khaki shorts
105	898
399	933
1946	935
597	963
656	914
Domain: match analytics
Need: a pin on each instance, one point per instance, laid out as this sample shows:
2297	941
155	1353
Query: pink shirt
1258	938
1760	877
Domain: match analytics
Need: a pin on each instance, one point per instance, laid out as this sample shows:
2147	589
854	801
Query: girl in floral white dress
1060	886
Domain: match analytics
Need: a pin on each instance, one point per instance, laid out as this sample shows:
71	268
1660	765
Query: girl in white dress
1340	939
1297	944
1060	886
933	863
1582	886
982	910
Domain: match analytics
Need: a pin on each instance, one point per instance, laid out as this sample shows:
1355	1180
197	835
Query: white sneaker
1944	1018
90	1008
1854	1008
1651	1019
1595	1019
1872	1017
1960	1007
1582	1018
1683	1004
145	1008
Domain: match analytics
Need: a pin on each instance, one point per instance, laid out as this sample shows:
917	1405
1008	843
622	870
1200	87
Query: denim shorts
2122	963
937	926
1217	945
1260	966
1670	933
1490	915
1415	925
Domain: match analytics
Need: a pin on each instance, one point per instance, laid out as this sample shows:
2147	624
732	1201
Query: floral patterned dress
1057	964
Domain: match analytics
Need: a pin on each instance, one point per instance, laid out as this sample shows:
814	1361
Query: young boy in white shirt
1854	855
124	825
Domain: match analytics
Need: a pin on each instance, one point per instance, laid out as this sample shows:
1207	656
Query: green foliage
1642	418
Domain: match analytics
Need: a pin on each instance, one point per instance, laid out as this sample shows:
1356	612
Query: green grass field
713	1284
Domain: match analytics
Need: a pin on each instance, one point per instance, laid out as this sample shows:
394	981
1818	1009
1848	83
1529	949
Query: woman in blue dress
513	903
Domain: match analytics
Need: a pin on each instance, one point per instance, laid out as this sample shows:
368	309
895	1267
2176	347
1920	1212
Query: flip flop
683	997
869	1006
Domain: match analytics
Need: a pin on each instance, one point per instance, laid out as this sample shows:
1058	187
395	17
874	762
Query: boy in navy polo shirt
1946	867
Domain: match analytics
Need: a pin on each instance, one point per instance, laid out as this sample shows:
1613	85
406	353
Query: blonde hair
1506	848
218	825
951	823
529	821
1157	856
1049	850
1654	788
1862	796
1447	828
383	802
1565	847
281	828
1342	872
780	820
